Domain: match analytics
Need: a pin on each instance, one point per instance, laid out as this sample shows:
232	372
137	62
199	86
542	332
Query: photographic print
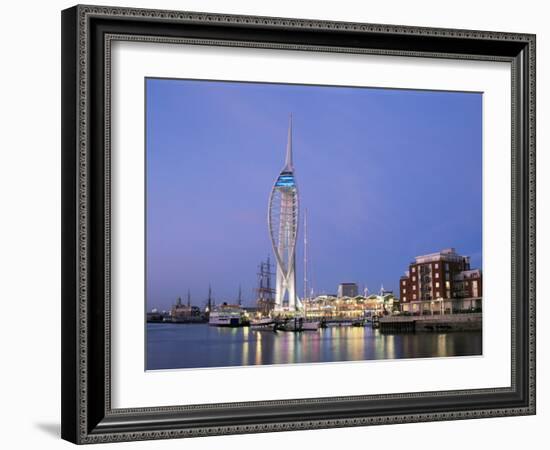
244	196
299	224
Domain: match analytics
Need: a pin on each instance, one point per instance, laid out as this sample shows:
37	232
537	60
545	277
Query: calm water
172	346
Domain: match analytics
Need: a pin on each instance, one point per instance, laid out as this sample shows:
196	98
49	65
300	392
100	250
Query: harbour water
171	346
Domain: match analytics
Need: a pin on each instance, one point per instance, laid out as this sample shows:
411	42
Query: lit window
437	284
414	269
447	284
437	265
404	291
437	294
414	287
404	282
414	296
404	299
437	274
414	278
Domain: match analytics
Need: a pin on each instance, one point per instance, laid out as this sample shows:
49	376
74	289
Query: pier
431	323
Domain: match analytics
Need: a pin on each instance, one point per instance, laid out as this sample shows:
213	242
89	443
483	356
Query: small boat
290	324
263	324
298	324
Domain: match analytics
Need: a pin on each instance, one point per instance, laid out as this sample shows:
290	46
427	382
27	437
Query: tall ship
265	302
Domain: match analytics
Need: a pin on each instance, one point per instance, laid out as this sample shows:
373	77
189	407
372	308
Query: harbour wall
429	323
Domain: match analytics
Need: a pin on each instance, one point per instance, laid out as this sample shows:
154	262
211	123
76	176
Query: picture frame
87	365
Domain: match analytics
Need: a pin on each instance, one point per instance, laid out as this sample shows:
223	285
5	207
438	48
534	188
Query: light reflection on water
171	346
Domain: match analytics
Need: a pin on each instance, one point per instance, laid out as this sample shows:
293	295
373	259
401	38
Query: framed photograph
280	224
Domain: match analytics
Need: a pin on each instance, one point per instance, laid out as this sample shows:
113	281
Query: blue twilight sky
384	174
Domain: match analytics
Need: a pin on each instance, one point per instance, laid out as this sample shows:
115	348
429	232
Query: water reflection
198	345
442	344
258	358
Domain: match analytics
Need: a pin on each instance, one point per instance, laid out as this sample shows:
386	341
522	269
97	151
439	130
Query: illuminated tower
283	229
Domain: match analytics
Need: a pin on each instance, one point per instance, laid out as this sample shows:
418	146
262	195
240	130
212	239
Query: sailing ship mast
305	262
209	301
305	254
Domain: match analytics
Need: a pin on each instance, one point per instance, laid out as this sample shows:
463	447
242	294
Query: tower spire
282	221
288	159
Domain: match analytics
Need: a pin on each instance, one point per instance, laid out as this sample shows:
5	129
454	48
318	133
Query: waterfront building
283	230
155	316
468	284
348	290
185	313
440	281
358	307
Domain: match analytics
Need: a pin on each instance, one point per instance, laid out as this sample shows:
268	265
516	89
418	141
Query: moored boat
290	324
227	316
263	324
298	324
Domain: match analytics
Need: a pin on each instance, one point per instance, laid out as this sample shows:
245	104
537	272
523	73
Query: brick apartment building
441	281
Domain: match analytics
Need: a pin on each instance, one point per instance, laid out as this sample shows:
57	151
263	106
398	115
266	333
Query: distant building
347	290
357	307
155	316
185	313
384	291
436	277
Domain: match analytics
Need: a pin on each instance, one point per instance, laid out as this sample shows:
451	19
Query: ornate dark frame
87	32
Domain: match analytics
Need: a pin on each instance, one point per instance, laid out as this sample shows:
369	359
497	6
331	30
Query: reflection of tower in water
283	230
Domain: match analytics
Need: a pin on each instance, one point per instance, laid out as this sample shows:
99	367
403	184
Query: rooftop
447	254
